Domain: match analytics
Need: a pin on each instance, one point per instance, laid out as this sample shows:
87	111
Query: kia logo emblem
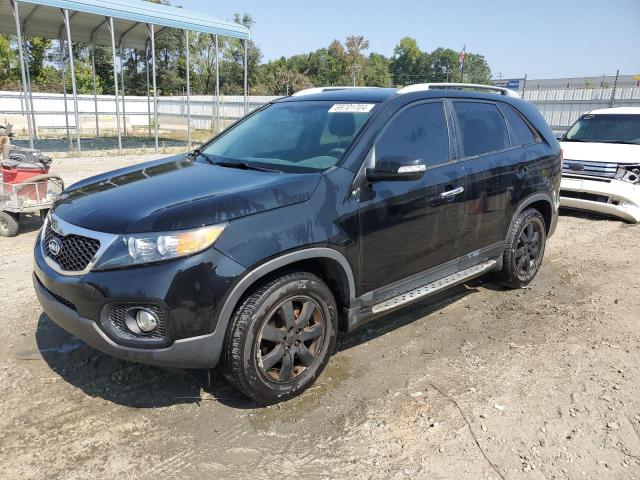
54	247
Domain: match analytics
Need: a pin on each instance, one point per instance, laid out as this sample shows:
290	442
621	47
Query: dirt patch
478	383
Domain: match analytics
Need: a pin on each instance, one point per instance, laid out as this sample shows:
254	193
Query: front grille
116	322
584	196
76	251
582	168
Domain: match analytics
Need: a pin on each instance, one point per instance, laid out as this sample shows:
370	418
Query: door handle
453	192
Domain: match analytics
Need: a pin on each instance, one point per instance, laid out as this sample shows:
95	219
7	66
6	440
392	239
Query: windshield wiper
199	153
574	140
244	166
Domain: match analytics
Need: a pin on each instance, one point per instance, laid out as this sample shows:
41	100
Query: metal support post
186	41
65	14
16	14
246	78
151	29
115	80
124	111
217	86
613	90
95	88
31	118
146	67
63	69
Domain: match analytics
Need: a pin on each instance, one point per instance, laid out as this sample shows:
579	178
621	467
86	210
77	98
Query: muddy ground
478	383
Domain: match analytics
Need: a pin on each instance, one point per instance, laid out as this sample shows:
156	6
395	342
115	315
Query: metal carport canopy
42	18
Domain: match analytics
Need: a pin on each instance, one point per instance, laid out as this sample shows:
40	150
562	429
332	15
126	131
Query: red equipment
23	165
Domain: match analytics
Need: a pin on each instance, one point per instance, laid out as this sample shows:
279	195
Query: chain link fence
561	107
55	122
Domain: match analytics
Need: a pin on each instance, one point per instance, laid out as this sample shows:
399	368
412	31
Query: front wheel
281	338
524	250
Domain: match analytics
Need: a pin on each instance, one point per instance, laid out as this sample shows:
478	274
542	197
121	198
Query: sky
540	38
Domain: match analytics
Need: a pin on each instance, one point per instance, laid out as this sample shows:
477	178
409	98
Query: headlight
142	248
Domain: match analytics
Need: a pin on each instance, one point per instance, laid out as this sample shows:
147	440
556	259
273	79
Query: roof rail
311	91
421	87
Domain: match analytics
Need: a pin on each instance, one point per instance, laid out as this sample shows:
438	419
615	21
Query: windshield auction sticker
351	107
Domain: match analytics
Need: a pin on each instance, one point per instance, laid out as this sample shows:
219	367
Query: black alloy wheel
281	337
524	250
528	249
291	339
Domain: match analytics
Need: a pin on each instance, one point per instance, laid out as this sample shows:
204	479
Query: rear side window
521	133
419	131
481	128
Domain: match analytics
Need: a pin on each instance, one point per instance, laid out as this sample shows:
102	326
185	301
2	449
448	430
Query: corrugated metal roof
42	18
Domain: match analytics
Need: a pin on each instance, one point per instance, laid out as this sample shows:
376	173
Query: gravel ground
481	382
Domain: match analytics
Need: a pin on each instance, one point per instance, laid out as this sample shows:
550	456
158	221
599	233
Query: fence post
115	80
74	89
613	91
217	87
16	14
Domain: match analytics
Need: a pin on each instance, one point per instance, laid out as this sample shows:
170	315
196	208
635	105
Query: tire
524	251
267	355
8	224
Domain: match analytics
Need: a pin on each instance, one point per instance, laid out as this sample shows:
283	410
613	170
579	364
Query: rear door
487	160
409	227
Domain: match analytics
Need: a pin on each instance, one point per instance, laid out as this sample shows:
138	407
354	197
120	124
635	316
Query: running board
435	287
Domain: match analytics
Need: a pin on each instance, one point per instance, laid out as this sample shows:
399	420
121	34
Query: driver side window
420	131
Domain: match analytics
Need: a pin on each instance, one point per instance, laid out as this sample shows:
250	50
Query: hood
601	152
177	193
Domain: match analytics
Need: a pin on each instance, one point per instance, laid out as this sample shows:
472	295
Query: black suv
313	214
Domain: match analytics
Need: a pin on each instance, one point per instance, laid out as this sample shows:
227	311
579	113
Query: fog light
147	321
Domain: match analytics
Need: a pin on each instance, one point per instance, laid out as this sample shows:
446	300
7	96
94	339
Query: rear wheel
525	249
8	224
281	338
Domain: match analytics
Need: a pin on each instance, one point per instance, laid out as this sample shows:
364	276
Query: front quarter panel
327	219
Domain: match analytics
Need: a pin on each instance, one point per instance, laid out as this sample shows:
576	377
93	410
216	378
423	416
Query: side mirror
558	135
397	168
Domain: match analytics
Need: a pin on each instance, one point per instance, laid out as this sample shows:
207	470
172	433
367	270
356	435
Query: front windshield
303	136
608	128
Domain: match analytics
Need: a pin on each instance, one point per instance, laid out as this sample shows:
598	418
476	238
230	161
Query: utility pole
613	91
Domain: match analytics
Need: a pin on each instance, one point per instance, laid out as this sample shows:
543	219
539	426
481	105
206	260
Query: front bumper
617	198
190	292
194	352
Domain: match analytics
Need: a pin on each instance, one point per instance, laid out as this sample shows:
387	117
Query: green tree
376	71
476	69
232	69
283	81
36	53
444	65
355	45
204	63
8	65
405	65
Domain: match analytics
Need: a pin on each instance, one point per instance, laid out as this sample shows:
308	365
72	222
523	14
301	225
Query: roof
347	94
42	18
378	95
616	111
